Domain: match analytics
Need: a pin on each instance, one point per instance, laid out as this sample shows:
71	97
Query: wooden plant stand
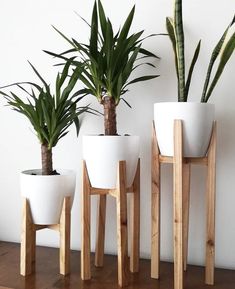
120	193
28	238
181	183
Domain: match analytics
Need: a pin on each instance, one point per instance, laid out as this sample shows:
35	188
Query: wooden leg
178	206
85	249
135	222
33	245
65	237
100	232
26	241
121	199
210	208
186	201
155	222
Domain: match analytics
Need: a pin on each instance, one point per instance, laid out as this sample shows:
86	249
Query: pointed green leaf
227	52
214	56
142	78
194	60
102	18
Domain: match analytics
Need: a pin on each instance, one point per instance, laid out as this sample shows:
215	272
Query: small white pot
197	126
102	154
46	194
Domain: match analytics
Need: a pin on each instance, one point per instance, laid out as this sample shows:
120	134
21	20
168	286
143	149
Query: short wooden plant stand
28	238
181	183
120	193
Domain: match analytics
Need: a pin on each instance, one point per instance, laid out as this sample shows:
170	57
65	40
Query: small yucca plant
106	63
225	48
50	114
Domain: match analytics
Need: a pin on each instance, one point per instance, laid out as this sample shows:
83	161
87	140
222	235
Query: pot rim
63	172
184	103
110	136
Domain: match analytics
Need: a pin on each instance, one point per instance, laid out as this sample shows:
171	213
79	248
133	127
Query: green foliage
107	62
225	48
50	114
179	38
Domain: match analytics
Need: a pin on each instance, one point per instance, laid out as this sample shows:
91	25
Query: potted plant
197	117
51	115
106	64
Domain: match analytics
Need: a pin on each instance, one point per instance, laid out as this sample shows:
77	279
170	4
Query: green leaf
171	33
64	73
39	76
126	102
126	27
226	54
179	36
102	18
142	78
214	56
77	125
94	31
148	53
66	38
194	60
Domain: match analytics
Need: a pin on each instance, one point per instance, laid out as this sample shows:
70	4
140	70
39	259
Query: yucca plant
224	48
106	63
50	114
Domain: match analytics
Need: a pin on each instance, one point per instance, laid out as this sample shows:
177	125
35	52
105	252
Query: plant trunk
110	124
46	160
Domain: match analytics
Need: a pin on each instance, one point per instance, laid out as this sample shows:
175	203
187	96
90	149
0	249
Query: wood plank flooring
47	273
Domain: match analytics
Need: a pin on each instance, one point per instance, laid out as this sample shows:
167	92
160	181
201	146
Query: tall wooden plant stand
181	183
120	194
28	238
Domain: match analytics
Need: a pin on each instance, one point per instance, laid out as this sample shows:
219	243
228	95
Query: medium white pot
46	194
197	126
102	154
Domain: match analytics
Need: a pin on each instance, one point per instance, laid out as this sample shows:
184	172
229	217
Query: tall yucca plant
50	114
106	63
225	48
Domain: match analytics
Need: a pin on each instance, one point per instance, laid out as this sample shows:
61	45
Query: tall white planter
102	154
46	194
197	126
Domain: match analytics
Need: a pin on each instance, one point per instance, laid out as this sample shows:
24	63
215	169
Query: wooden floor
47	276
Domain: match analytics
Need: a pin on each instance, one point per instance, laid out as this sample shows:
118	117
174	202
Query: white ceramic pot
197	126
102	154
46	194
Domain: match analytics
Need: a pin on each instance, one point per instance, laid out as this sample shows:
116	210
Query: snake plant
107	61
50	114
224	48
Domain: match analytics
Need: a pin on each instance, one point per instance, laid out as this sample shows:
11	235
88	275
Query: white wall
25	29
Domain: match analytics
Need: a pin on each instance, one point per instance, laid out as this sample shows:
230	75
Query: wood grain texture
85	250
178	205
122	239
155	207
100	231
65	221
210	210
120	193
135	222
186	201
33	244
195	161
26	240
